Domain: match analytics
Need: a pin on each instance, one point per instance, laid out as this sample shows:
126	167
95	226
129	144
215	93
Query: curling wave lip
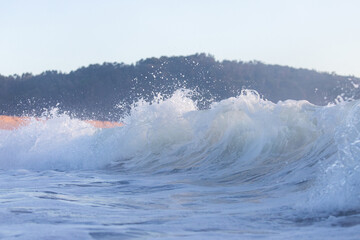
14	122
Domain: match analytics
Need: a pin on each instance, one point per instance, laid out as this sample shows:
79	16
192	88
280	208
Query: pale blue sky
39	35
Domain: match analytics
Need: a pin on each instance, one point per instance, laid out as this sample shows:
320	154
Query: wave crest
240	140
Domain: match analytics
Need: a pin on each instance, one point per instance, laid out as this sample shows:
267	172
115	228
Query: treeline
96	91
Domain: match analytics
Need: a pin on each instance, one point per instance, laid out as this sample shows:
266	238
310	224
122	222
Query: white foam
238	140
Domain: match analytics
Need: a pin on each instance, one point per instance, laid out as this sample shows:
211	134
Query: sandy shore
12	122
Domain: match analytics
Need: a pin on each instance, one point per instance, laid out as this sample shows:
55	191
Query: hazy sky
67	34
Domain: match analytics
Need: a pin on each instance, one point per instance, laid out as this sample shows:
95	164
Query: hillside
96	90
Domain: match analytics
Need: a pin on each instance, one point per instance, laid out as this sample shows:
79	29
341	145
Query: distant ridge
94	91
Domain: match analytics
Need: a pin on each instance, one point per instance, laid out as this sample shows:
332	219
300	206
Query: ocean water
246	168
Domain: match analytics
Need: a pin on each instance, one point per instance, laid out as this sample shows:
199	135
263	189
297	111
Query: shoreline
14	122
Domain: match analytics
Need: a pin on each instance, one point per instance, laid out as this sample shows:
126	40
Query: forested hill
94	91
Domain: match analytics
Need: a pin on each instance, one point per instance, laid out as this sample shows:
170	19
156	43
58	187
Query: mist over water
244	168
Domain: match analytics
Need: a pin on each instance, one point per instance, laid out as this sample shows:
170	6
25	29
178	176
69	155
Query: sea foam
290	146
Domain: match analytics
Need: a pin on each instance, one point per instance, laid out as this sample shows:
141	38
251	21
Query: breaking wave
290	146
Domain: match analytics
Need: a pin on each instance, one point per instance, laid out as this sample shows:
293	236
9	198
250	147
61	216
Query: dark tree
94	91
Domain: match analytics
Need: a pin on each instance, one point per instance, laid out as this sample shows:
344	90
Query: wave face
309	153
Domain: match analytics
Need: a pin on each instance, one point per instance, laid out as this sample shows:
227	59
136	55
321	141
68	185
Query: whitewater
246	168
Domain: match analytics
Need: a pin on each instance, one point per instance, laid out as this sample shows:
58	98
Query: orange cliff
12	122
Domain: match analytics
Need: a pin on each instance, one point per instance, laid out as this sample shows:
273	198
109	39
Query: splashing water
244	168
